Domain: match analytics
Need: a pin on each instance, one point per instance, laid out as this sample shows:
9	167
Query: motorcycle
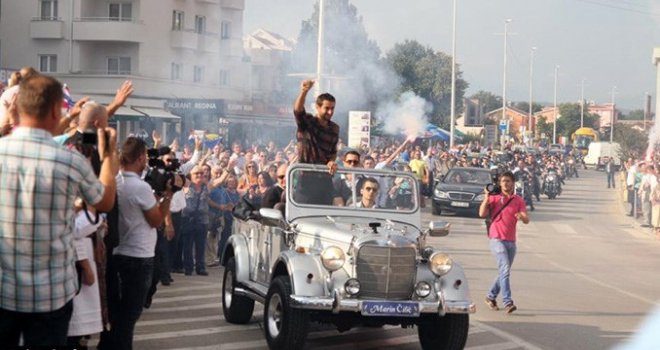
571	168
551	184
523	189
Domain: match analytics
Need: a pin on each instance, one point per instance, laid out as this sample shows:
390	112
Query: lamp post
506	32
531	76
554	122
582	105
613	113
319	49
453	79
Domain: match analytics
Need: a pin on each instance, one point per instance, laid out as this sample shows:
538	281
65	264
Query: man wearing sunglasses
369	193
274	194
344	183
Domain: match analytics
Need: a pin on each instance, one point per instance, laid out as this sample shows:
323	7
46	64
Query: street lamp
582	105
506	32
319	49
613	113
453	79
554	123
531	75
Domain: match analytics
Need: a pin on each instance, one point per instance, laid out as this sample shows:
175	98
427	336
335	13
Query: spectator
48	178
228	200
195	223
248	179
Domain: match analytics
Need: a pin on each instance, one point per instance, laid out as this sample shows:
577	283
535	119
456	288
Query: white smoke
407	115
654	140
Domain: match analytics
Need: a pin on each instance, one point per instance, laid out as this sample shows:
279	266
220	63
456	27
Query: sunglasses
354	162
371	189
198	173
281	177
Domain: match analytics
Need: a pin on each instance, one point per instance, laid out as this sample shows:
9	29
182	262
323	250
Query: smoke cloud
407	115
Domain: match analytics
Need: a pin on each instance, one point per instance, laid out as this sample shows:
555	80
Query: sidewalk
620	196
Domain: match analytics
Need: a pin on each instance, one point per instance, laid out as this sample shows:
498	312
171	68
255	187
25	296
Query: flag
68	101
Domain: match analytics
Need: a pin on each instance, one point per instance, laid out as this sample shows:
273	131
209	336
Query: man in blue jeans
504	209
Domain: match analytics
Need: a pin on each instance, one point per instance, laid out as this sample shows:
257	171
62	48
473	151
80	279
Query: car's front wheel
236	308
447	332
285	327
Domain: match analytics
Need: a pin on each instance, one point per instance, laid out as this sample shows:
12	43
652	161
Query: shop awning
125	113
158	113
262	120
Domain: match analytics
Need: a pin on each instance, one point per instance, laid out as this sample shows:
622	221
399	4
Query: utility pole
554	123
582	106
319	51
453	79
506	32
613	115
531	76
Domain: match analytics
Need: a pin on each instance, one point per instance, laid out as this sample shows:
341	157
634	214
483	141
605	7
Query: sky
608	43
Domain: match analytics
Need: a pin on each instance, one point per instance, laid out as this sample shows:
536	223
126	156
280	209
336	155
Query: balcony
209	43
185	39
107	29
233	4
46	28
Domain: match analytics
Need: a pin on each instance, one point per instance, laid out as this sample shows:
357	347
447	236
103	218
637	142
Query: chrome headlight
352	286
441	194
440	263
423	289
551	178
333	258
479	198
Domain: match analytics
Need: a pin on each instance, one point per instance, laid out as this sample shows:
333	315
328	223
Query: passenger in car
275	196
369	193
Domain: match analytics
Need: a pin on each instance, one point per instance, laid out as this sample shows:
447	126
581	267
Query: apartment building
185	57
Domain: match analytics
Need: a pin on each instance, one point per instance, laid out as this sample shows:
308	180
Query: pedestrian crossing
188	315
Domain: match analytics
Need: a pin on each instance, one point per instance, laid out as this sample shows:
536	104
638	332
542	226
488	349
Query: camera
159	173
494	187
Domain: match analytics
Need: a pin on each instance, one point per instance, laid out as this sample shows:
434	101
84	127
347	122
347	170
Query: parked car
345	265
461	191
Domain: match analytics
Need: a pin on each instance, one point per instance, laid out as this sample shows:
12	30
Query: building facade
176	52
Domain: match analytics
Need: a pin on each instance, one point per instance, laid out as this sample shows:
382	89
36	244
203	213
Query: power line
594	2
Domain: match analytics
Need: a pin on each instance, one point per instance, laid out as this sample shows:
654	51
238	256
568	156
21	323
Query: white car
345	265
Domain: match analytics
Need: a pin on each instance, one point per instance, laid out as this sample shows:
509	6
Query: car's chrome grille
386	272
461	196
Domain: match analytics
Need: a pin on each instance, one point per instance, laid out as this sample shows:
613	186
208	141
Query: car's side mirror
438	228
271	217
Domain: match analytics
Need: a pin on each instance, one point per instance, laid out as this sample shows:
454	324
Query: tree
637	114
543	127
427	73
570	119
633	141
489	100
524	106
353	69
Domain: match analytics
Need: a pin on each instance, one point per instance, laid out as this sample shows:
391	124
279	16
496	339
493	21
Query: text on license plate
460	204
386	308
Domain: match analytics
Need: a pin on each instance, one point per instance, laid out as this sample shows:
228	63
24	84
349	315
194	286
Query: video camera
494	187
161	174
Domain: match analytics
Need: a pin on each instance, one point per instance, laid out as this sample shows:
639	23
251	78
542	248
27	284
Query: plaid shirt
39	181
317	144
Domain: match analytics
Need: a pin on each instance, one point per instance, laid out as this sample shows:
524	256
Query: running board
251	290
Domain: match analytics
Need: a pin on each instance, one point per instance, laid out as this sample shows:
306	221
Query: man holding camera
505	209
140	213
40	182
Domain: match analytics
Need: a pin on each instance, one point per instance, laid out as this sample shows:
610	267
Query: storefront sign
193	106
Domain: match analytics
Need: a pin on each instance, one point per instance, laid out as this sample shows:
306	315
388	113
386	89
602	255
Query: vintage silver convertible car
347	263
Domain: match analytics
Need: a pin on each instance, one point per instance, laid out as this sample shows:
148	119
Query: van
599	152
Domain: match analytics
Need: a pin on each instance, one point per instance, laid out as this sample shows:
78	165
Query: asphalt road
584	277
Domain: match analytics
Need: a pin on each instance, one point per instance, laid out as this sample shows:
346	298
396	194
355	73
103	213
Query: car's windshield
466	176
358	189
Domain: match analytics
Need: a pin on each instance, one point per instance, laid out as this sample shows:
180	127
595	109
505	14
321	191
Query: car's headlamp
333	258
479	198
441	194
440	263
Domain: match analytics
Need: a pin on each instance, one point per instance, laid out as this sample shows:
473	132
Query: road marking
377	343
165	290
564	228
497	346
179	321
195	332
184	308
510	337
186	297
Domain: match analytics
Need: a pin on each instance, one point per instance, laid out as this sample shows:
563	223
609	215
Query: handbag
490	220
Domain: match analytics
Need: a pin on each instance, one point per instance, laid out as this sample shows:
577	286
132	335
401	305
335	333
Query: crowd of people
640	180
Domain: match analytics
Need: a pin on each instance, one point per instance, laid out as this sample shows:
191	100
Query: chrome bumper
337	304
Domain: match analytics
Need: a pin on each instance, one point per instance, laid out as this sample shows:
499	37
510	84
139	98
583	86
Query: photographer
140	213
504	210
38	258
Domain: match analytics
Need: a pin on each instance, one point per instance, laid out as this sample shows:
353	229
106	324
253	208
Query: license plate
460	204
386	308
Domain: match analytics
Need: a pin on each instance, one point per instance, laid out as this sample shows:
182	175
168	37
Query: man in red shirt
505	209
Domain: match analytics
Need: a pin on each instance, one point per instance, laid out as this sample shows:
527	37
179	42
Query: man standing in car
317	144
505	209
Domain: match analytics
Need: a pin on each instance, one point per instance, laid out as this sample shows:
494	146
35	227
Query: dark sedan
461	191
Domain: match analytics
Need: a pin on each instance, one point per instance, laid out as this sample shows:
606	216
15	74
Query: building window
48	63
177	20
200	24
225	30
198	74
176	71
119	65
120	11
224	78
48	10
